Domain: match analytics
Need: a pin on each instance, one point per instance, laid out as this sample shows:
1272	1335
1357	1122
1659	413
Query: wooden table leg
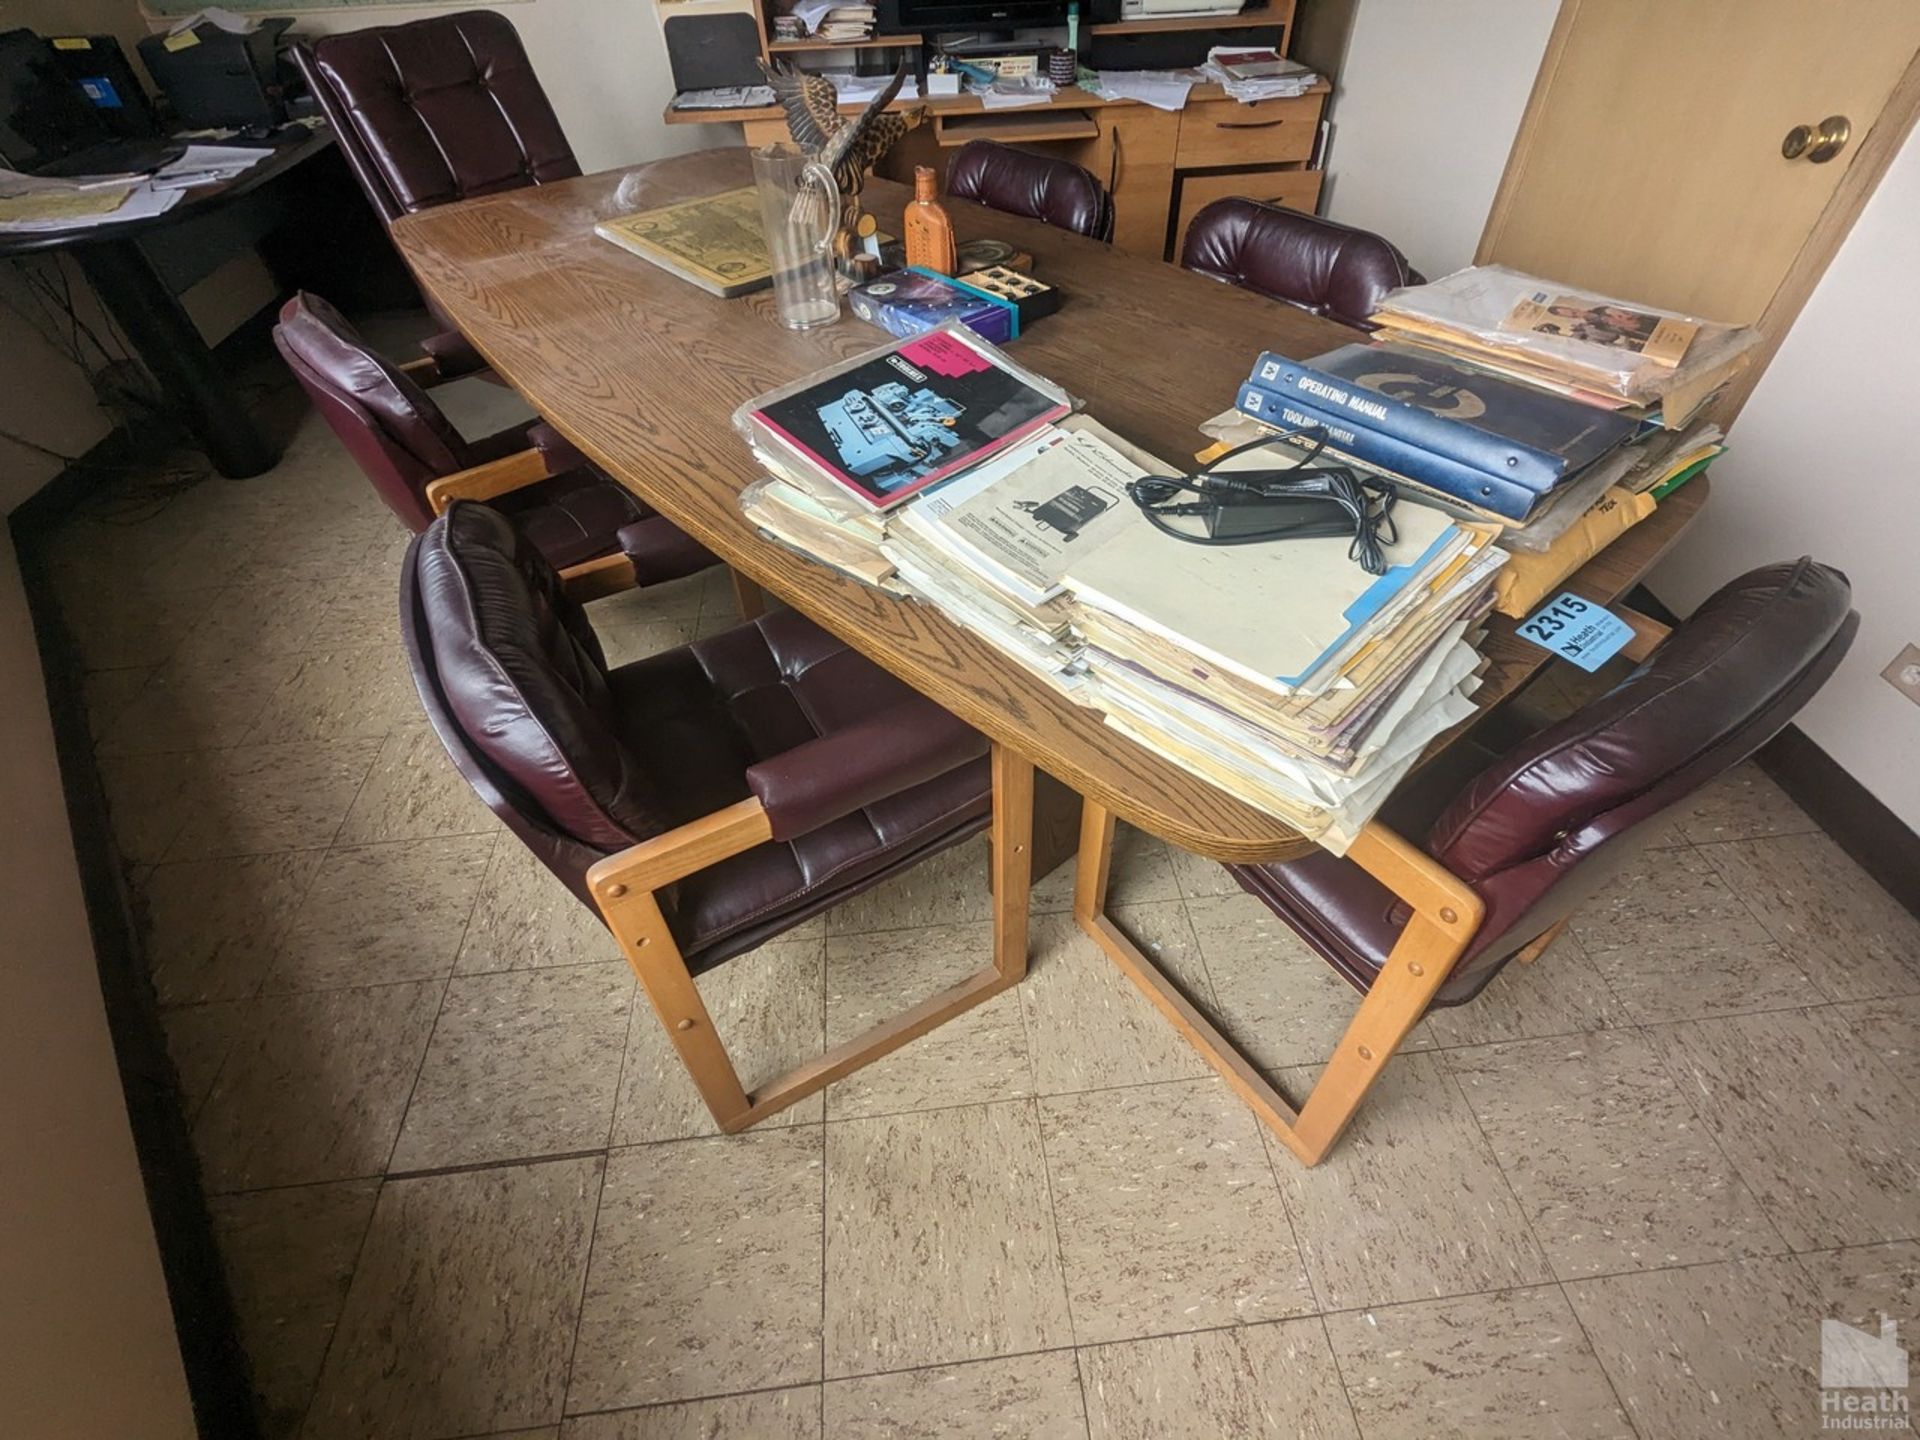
171	348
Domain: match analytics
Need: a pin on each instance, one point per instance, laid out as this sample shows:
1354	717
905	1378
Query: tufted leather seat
433	111
1319	266
860	777
437	110
403	442
1040	187
1533	832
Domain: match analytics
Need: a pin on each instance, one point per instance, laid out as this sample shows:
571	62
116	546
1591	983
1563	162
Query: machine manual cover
896	421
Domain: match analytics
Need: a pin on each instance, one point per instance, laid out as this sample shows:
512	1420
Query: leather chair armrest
660	550
484	482
819	782
560	453
453	355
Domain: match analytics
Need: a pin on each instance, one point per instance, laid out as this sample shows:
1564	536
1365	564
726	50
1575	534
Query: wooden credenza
1161	166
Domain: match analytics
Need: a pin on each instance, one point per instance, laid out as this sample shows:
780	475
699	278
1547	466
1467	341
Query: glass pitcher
800	206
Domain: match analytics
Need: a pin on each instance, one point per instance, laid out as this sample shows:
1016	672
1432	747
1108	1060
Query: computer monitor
98	65
44	116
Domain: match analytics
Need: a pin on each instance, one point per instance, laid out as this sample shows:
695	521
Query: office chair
1315	265
1511	852
433	111
592	529
707	799
1040	187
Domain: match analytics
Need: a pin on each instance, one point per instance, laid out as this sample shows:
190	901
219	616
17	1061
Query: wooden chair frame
1446	917
1446	914
625	887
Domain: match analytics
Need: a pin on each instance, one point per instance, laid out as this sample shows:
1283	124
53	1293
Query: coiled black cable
1367	504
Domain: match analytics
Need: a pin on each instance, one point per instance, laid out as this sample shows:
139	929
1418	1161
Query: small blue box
906	302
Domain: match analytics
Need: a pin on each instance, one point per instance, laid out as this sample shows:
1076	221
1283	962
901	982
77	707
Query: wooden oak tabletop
643	371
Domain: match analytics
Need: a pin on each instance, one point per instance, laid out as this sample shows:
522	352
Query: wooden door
1649	162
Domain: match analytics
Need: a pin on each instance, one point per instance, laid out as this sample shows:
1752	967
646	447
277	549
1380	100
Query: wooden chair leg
635	919
1433	940
748	598
1540	943
636	922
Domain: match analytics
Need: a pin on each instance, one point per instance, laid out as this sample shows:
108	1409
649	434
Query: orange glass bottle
929	233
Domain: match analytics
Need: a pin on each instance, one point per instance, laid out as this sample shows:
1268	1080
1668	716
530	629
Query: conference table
643	371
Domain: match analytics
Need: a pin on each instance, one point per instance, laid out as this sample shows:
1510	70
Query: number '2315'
1555	618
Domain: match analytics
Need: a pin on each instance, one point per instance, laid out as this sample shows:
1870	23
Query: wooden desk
1160	166
643	371
169	344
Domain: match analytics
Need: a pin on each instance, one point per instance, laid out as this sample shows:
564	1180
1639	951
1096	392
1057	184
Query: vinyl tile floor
462	1188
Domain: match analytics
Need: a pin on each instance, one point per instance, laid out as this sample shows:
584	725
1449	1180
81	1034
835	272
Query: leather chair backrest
1040	187
1314	264
397	435
1525	832
515	681
437	110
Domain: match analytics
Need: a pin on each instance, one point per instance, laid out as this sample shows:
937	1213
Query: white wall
1426	103
1825	460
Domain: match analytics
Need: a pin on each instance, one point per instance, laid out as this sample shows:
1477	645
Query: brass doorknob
1819	143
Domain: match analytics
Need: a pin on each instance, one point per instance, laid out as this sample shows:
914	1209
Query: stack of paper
852	89
208	165
1162	89
31	204
1256	74
1284	672
1281	672
834	19
1593	347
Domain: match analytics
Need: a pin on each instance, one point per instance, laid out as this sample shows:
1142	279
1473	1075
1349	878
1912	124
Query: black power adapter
1250	517
1303	501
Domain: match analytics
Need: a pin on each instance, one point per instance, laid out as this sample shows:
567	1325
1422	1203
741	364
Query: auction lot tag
1578	630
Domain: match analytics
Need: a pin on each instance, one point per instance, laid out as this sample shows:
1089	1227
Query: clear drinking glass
800	206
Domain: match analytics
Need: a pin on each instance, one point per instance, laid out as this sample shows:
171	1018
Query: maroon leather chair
1316	265
705	799
581	521
434	111
1041	187
1511	847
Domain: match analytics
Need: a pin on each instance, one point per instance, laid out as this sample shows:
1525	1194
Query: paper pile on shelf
852	89
1014	92
1248	75
1162	89
834	19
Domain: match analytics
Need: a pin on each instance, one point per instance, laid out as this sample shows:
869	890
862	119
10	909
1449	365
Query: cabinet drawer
1268	132
1295	189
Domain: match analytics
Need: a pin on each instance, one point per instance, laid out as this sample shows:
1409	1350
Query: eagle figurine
846	147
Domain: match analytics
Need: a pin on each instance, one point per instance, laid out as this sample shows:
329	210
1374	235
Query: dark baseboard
1877	839
205	1321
